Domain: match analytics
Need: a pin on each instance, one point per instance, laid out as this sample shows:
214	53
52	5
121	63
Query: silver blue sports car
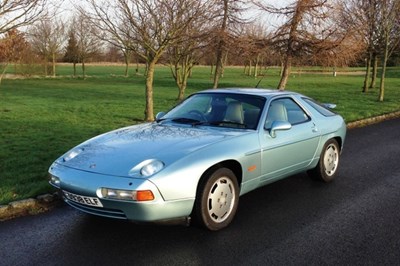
195	161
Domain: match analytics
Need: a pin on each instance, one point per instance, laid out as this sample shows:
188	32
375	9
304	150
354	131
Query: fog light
54	181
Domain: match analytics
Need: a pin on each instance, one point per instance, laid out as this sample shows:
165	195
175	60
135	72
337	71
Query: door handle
314	128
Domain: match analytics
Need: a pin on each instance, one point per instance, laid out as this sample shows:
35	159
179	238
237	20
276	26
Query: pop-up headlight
147	168
72	154
152	168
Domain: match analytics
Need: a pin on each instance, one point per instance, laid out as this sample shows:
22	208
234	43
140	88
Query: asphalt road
297	221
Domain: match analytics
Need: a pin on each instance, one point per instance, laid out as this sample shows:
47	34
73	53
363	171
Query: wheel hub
331	160
221	199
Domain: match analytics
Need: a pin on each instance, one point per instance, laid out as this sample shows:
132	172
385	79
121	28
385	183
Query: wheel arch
339	141
233	165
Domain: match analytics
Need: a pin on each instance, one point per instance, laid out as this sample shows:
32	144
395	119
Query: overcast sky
268	20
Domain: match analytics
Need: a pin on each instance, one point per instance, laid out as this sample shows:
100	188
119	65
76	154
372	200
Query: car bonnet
116	152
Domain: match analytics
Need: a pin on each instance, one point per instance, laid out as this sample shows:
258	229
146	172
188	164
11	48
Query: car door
289	149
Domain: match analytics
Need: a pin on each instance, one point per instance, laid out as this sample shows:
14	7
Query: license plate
90	201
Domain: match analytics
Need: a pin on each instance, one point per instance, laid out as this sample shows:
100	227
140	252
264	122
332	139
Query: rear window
317	106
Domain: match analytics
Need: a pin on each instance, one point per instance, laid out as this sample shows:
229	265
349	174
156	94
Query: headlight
147	168
72	154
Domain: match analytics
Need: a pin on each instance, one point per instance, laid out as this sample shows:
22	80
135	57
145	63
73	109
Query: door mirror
279	125
159	115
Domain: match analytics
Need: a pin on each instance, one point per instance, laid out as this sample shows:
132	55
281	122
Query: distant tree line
186	33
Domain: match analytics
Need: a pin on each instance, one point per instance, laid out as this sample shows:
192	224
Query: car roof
267	93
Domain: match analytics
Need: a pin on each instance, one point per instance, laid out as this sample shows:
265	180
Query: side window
285	109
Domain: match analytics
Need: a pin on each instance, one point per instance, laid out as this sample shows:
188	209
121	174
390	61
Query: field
41	118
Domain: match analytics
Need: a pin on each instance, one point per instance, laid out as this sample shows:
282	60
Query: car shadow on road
272	213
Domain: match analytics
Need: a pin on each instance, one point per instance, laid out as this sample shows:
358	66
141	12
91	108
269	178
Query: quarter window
317	106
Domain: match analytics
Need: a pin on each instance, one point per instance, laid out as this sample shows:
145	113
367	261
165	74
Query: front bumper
86	184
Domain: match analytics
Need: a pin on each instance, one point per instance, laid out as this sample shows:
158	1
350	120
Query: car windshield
218	109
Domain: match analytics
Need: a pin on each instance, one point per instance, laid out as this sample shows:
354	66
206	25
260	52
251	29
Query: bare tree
150	26
187	51
228	14
182	58
48	38
18	13
377	23
309	29
12	46
251	46
361	17
72	50
390	23
88	44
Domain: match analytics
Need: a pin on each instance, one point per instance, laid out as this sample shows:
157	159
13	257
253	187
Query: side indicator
252	168
144	195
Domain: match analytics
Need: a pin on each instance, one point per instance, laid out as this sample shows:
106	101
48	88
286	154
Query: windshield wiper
219	123
161	119
195	122
185	120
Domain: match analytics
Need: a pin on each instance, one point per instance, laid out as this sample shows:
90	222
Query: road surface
297	221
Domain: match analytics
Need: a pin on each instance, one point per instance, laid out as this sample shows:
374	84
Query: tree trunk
74	65
218	68
149	115
83	69
126	57
285	73
384	63
3	72
224	64
221	47
45	66
126	69
54	65
182	87
181	72
367	73
256	66
374	71
250	68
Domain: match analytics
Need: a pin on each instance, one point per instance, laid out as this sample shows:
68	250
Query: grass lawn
40	119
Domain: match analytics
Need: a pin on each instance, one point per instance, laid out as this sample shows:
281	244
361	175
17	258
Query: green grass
41	118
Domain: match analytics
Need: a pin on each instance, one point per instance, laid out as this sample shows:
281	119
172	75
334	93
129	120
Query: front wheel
328	162
217	199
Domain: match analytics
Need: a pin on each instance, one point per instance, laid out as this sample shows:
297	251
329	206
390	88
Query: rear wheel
328	162
217	199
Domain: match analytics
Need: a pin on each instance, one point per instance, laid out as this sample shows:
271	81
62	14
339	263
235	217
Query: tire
217	199
327	166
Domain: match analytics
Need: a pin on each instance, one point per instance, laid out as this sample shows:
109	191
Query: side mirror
159	115
279	125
